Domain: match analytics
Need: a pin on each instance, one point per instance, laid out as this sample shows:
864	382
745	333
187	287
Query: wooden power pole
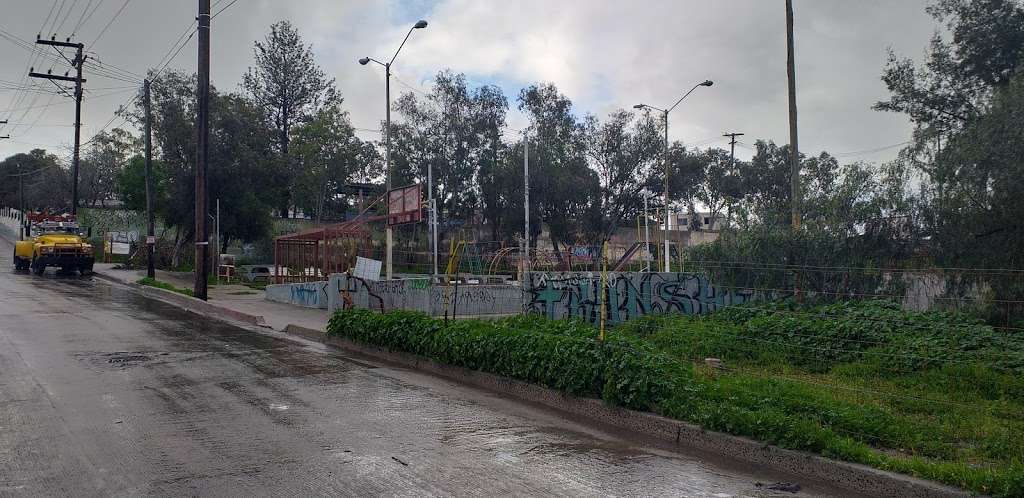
77	80
732	148
202	262
150	234
794	149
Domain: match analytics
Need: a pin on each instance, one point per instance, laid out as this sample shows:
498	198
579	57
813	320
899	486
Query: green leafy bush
561	356
820	337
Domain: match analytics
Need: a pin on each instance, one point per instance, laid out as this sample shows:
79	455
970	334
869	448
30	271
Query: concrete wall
630	295
556	295
418	294
307	294
9	222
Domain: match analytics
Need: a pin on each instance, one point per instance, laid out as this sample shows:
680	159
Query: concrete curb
856	477
190	304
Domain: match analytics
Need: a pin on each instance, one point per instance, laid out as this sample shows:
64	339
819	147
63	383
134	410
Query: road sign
367	269
125	236
151	239
405	205
120	248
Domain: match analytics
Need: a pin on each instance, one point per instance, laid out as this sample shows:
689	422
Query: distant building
699	222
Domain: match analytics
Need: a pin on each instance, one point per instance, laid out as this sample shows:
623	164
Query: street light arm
371	59
650	107
702	83
683	97
407	35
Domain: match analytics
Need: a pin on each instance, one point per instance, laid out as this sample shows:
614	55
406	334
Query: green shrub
833	399
564	355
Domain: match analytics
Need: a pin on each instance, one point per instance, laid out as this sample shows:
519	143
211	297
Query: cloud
602	54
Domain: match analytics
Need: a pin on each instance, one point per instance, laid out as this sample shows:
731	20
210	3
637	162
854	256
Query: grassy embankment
152	282
935	395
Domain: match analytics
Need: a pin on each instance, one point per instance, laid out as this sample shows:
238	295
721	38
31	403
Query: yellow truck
54	243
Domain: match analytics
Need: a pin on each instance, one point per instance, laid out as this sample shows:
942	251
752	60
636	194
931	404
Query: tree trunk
558	253
176	254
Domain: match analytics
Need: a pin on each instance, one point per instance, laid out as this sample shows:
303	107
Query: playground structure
312	255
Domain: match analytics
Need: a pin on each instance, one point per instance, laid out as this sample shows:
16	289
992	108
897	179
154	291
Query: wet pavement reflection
103	392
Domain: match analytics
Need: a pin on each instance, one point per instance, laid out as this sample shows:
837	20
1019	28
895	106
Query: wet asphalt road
106	393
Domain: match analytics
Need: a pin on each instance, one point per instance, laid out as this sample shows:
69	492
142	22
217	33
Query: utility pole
732	170
794	149
5	136
732	147
77	80
21	203
526	200
202	260
150	234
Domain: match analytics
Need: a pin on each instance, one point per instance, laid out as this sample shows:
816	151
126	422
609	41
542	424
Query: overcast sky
602	54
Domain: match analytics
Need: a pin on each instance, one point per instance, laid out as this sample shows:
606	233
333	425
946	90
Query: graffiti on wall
421	295
629	295
310	294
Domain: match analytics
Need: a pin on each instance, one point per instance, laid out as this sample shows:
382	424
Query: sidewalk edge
188	303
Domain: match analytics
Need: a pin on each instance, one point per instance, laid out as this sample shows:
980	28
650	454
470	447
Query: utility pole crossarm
71	79
58	43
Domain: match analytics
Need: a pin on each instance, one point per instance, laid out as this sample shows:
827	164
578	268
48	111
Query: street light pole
647	234
666	158
668	212
432	216
389	233
526	200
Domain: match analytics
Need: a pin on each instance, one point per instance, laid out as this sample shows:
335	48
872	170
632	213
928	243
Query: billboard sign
405	205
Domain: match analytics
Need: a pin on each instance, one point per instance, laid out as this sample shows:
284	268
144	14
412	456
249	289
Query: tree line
282	141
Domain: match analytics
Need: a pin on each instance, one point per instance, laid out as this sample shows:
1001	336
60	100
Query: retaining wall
630	295
419	294
306	294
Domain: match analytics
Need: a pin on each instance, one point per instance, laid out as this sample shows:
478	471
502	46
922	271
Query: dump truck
54	242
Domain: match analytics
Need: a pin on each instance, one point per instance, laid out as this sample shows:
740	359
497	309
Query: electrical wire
111	21
84	17
226	7
66	15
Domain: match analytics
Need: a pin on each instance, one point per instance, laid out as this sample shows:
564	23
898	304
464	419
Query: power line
225	8
112	19
48	16
177	44
86	15
66	15
53	23
871	151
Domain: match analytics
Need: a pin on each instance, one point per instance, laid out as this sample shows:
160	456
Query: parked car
258	273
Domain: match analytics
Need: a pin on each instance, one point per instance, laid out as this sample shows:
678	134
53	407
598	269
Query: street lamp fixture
387	135
664	113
